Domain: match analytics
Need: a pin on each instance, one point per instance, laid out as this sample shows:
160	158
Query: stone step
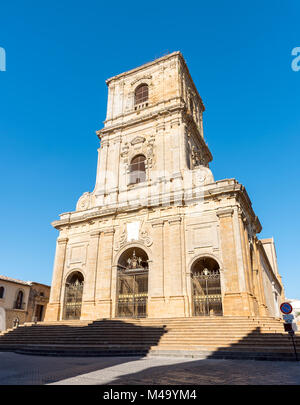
117	336
35	329
199	352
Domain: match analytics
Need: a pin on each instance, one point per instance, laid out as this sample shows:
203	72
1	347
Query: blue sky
53	99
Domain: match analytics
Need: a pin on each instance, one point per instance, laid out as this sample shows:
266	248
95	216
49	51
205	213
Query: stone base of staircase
195	338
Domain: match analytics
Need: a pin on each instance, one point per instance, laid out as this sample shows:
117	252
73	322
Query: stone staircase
197	337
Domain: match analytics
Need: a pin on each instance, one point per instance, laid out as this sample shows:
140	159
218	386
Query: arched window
137	169
141	94
19	301
2	292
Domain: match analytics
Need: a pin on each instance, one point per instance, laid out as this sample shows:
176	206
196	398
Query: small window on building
2	292
137	169
141	94
19	301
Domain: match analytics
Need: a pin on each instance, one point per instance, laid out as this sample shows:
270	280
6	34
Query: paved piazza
27	370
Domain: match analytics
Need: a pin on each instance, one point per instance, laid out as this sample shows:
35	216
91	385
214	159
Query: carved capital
62	240
224	212
174	220
95	234
108	231
158	223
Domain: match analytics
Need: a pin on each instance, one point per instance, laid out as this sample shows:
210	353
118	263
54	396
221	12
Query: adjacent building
21	301
158	236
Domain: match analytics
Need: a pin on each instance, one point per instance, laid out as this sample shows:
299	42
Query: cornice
230	188
144	66
146	117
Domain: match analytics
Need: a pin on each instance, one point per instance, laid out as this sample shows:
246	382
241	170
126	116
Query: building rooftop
14	280
17	281
145	65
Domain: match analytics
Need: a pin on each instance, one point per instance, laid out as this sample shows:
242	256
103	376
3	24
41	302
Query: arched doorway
132	284
73	295
206	288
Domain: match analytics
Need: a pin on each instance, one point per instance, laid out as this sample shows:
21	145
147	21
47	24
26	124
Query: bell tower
152	137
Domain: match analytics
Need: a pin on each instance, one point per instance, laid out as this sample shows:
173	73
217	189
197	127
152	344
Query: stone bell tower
158	236
155	112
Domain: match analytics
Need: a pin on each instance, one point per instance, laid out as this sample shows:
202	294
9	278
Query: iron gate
207	298
132	294
73	300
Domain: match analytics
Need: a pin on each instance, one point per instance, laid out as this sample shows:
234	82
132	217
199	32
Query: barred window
137	169
141	94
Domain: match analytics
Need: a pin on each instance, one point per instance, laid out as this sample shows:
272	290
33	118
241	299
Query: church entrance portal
132	284
206	288
73	296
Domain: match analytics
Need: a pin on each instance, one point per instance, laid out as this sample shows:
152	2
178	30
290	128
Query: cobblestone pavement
26	370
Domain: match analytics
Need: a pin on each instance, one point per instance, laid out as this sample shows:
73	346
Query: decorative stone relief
125	150
121	240
84	202
137	140
203	175
150	153
133	231
147	240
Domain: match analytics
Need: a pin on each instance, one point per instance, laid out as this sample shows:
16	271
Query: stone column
104	288
156	295
263	309
101	173
247	267
110	101
176	158
241	262
173	270
160	150
88	299
54	307
113	168
232	298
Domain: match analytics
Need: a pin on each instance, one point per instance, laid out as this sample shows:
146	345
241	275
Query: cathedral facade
158	237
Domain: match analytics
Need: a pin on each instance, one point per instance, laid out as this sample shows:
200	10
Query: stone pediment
138	80
137	139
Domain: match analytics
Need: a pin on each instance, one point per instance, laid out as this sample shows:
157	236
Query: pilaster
234	300
156	295
88	299
104	287
54	305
